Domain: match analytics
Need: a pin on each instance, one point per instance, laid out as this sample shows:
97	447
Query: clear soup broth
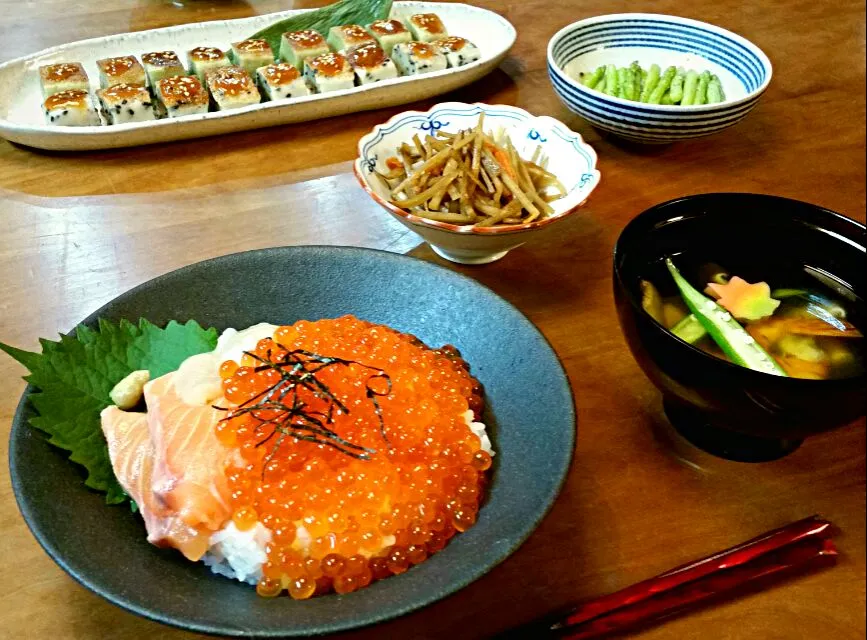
807	320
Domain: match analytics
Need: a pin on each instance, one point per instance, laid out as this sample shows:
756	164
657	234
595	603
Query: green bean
637	78
650	83
787	293
677	86
590	80
630	84
715	91
701	91
690	84
611	80
600	87
674	86
622	73
689	329
662	86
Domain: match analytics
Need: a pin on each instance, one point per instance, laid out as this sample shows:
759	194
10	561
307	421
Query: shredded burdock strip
441	184
471	178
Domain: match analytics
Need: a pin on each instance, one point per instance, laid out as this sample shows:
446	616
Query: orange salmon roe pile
366	519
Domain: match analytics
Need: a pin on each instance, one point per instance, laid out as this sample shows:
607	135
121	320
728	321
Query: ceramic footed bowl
569	158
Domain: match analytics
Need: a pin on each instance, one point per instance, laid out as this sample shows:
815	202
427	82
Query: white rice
238	554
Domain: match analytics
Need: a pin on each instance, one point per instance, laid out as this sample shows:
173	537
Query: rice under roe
364	519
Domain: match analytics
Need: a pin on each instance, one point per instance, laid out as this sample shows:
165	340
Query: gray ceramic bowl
104	548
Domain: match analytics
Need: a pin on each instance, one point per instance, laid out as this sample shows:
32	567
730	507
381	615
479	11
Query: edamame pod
701	91
690	84
611	80
662	86
676	89
715	91
650	83
590	80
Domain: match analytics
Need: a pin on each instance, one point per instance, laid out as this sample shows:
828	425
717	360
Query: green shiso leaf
361	12
74	376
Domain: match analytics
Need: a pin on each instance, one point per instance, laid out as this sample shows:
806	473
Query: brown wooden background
78	229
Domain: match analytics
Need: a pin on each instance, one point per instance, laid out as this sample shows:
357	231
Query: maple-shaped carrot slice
743	300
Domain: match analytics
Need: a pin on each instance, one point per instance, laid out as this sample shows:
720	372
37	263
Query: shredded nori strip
298	369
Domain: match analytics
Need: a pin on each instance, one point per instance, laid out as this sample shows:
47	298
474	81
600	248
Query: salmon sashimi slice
132	459
189	460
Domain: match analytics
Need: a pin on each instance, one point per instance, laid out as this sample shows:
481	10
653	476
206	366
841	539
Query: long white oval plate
22	119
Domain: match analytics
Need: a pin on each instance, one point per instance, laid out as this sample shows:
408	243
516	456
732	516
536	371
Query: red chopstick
692	593
740	554
771	553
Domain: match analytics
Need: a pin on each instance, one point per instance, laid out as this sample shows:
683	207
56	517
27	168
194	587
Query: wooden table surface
78	229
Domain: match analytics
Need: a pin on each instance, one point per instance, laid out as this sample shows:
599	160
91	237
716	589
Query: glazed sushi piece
182	96
121	70
297	46
125	103
70	108
162	64
203	60
426	27
347	36
458	51
252	54
66	76
370	63
414	58
280	81
231	88
389	33
329	72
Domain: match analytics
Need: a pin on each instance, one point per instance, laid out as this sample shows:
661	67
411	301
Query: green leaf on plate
361	12
74	376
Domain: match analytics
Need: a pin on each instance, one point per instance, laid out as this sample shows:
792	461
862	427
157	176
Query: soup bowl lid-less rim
822	220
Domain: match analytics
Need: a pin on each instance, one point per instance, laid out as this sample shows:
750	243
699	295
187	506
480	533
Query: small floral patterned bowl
569	158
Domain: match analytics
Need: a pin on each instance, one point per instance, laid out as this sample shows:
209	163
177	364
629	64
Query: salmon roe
363	464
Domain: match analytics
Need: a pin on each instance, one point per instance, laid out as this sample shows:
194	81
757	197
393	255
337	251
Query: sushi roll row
66	94
353	55
158	86
162	86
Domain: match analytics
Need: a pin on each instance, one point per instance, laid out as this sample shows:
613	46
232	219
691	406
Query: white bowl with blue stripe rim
744	71
569	158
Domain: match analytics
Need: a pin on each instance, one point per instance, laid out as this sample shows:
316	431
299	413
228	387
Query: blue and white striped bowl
618	39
